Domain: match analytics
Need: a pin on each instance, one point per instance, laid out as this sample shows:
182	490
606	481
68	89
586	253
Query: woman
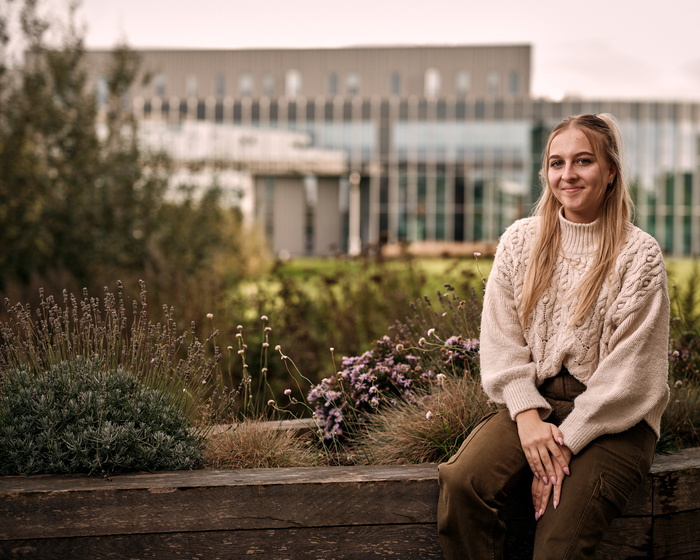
574	345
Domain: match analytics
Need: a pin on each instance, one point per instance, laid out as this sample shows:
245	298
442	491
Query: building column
355	242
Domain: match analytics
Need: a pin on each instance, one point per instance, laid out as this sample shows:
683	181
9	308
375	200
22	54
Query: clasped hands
547	456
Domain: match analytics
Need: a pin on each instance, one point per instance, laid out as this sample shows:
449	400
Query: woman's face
577	177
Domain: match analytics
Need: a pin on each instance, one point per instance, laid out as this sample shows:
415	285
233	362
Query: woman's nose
569	172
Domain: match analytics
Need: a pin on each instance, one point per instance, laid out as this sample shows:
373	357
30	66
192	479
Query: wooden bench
303	513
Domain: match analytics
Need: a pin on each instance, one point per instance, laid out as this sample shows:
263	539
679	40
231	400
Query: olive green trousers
476	482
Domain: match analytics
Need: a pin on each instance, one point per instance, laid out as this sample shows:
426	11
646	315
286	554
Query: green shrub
77	418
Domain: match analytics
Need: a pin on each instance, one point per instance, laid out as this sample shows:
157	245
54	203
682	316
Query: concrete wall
374	67
328	227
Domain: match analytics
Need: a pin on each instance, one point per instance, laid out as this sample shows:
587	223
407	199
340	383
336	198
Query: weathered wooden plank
677	534
311	510
403	542
232	477
407	542
628	538
691	556
312	498
677	483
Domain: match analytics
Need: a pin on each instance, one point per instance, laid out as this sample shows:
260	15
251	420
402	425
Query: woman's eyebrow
579	154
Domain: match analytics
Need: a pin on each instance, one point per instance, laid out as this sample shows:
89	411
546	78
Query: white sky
605	49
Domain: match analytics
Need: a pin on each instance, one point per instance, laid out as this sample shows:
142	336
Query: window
352	83
159	85
220	85
101	91
396	84
462	83
513	83
432	83
292	86
269	85
333	84
191	85
493	83
245	85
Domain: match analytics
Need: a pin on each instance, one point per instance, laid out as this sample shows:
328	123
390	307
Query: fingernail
561	441
566	470
555	504
554	480
541	512
537	475
537	515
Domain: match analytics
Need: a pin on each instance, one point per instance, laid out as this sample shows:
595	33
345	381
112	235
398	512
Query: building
424	144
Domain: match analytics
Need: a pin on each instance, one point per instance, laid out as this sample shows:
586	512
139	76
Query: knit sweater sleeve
508	373
631	380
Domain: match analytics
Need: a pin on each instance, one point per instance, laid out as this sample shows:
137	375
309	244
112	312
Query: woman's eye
555	164
584	161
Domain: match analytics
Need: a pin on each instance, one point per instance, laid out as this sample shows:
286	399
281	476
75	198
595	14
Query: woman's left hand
541	491
542	444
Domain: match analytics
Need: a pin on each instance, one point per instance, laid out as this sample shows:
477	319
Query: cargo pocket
614	491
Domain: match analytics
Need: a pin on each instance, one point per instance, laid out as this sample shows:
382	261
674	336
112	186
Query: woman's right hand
542	443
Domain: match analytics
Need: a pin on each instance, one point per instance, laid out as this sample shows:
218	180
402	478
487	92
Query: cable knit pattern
619	350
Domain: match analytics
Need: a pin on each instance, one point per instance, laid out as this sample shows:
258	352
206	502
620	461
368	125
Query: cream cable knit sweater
619	350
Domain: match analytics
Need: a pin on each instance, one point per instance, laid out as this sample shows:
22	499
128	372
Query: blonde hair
613	221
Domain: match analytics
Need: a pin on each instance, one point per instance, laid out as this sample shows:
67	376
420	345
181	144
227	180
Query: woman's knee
487	459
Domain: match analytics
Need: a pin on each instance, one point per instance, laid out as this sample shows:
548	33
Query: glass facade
462	170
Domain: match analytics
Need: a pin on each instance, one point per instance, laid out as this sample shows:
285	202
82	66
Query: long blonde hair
613	221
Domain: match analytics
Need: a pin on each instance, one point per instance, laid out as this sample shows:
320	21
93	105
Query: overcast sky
604	49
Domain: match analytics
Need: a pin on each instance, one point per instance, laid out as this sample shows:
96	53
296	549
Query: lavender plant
78	418
104	332
150	386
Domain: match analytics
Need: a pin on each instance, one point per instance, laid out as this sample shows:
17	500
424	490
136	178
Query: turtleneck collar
577	239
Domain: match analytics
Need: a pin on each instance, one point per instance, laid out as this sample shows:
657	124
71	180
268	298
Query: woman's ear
611	176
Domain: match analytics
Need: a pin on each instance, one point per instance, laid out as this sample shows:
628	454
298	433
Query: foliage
344	304
71	199
82	200
390	373
680	425
78	418
425	378
112	337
